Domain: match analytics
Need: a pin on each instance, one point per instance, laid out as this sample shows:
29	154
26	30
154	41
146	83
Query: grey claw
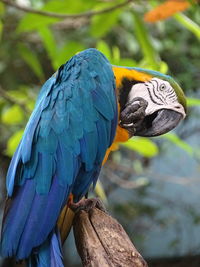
133	114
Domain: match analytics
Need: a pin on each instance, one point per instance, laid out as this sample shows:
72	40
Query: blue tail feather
49	254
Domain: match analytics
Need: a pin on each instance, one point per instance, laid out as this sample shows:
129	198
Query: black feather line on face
124	92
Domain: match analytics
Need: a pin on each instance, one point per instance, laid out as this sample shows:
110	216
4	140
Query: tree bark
101	241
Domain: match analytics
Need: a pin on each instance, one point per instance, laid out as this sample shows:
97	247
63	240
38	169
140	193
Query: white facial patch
159	94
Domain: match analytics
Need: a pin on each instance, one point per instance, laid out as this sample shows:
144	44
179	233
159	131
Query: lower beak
160	122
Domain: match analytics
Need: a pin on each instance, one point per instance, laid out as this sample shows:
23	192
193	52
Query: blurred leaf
172	137
142	181
116	53
188	24
99	190
165	10
31	59
113	55
67	51
2	9
13	142
12	115
22	96
32	22
191	102
68	6
163	67
143	146
128	62
102	24
1	28
145	42
104	48
49	44
30	105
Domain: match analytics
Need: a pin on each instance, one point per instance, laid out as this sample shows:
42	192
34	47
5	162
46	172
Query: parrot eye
162	87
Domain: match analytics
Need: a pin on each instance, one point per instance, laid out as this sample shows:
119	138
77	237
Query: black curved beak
160	122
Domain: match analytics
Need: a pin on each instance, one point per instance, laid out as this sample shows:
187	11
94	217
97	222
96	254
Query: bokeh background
151	186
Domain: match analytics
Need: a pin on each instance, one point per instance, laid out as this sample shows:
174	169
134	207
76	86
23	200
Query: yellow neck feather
121	73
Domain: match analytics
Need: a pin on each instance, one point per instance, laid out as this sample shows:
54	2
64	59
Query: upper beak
160	122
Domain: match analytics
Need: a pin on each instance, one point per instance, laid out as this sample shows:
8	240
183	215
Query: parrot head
150	103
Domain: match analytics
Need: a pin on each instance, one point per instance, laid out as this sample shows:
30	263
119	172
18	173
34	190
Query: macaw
82	112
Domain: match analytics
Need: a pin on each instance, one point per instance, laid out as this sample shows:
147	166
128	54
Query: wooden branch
101	241
89	13
70	24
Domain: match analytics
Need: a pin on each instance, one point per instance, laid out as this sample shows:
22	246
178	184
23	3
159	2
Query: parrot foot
87	204
133	114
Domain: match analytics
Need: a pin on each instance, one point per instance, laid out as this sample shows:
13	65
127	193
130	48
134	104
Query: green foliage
2	8
104	48
101	25
189	24
58	55
65	53
1	29
49	43
12	116
143	146
32	22
114	55
31	59
145	43
192	102
13	142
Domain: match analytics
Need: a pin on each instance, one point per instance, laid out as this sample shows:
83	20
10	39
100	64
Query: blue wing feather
64	143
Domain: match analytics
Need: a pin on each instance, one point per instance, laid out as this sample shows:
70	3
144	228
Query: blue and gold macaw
82	112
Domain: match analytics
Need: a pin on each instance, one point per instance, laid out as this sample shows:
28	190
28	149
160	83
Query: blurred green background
152	186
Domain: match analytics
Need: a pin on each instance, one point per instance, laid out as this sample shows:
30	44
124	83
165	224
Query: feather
56	251
15	220
65	167
12	170
102	104
49	254
30	167
44	173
